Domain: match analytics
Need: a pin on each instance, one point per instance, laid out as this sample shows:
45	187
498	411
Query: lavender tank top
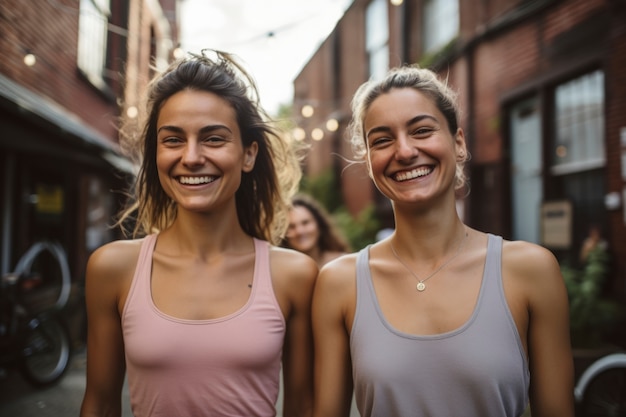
477	370
228	366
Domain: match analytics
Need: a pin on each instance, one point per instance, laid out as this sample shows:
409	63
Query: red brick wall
615	121
320	82
49	30
490	69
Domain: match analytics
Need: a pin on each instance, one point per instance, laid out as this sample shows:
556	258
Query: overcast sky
243	27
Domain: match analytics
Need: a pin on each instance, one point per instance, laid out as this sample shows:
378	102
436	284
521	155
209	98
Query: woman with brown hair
203	311
311	230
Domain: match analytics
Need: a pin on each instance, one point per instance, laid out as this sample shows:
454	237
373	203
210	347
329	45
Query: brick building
543	97
66	67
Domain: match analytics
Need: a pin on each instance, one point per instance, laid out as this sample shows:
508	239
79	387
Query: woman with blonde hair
438	319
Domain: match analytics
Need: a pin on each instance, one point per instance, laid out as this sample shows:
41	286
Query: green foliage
359	231
437	57
324	189
591	315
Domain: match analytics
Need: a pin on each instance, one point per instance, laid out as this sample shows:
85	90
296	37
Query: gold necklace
421	286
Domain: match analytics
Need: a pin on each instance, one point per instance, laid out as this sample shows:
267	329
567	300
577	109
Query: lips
189	180
414	173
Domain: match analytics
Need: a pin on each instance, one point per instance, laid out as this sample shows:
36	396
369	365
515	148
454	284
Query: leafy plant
359	231
591	314
324	188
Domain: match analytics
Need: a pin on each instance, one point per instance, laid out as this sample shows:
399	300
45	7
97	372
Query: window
92	39
441	23
377	38
579	124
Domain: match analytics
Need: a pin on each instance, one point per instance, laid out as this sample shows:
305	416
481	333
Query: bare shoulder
528	258
339	274
291	262
110	271
115	257
291	268
111	267
532	269
335	291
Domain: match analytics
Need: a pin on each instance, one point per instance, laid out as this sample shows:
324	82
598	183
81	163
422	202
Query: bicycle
34	337
601	389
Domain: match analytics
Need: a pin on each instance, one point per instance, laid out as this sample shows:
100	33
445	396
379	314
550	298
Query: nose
192	154
405	148
294	231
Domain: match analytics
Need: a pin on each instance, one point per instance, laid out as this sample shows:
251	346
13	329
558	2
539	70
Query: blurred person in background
311	230
438	319
201	311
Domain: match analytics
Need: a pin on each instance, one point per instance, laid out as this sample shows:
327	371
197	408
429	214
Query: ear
249	156
460	146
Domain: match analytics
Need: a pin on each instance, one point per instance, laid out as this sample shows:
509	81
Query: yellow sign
49	199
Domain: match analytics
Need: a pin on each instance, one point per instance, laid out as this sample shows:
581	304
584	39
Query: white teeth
419	172
196	180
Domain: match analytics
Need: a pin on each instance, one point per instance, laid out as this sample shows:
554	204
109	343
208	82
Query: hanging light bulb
307	110
317	134
30	60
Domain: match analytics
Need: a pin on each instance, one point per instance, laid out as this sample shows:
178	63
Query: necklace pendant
420	286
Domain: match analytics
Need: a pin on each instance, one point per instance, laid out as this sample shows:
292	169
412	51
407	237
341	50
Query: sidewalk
17	398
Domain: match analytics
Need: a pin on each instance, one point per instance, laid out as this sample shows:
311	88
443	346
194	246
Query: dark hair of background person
330	238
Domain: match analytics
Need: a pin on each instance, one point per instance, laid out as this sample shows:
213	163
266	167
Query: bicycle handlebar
26	262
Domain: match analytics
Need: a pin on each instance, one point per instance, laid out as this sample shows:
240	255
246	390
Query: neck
430	237
204	233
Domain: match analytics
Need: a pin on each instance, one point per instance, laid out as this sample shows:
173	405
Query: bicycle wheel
48	260
606	395
47	351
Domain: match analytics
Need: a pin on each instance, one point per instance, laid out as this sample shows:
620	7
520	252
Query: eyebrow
415	119
204	129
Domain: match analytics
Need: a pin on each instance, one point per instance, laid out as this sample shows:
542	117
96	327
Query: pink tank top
220	367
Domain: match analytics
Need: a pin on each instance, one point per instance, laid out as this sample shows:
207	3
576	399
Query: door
526	164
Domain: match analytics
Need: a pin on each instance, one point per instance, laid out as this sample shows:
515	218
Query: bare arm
295	277
106	271
333	306
549	349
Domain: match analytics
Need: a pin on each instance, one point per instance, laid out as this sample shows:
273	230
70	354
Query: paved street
18	399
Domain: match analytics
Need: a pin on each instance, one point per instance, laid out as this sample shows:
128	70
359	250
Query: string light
317	134
332	125
132	112
30	60
307	111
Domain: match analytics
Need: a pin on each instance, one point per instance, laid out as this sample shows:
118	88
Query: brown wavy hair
262	199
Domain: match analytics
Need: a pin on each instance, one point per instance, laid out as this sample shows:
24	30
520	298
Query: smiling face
411	153
303	232
200	156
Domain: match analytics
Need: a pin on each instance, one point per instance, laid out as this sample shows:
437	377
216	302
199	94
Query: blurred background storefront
543	104
70	71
